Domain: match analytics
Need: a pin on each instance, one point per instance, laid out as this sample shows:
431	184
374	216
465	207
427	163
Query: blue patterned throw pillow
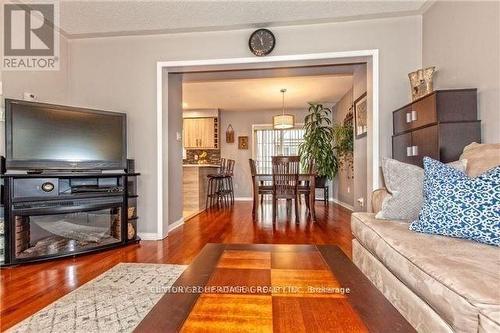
458	206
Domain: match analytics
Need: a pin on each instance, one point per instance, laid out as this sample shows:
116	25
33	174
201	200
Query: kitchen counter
200	165
194	187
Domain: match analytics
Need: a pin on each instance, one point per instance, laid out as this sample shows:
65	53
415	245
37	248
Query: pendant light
283	120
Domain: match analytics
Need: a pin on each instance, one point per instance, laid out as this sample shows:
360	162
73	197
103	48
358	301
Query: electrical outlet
29	96
361	202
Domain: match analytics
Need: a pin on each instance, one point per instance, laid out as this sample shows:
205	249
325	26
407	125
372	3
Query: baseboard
176	224
155	236
243	199
343	204
148	235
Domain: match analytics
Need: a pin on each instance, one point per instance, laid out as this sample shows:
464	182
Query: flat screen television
41	136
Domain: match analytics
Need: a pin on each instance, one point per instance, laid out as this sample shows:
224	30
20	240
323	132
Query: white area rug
115	301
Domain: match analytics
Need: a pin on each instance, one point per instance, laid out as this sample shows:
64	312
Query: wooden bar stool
220	186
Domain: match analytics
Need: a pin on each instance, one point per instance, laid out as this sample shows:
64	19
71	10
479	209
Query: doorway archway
165	69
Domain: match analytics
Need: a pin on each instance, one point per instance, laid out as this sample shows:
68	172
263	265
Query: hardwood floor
26	289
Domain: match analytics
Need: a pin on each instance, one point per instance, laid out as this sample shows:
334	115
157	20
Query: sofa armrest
378	197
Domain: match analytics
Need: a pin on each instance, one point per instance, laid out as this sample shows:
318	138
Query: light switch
178	136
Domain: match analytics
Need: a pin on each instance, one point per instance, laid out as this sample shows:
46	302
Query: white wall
462	38
342	187
119	73
356	181
361	186
173	149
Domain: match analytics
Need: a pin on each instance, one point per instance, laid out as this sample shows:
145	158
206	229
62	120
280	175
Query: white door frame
162	67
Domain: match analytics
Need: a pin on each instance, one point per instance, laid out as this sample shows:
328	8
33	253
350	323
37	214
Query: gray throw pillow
404	182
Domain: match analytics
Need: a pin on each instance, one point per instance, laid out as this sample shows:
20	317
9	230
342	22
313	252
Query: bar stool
220	185
229	172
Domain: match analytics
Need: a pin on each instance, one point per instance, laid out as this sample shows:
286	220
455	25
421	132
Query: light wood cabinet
200	133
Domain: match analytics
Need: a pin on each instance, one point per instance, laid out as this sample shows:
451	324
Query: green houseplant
343	137
318	143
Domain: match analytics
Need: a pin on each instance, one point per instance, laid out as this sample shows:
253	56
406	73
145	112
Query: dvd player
96	189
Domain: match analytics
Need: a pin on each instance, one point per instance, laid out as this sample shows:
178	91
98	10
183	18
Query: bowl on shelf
131	212
130	231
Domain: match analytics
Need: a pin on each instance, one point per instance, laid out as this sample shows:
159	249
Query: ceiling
264	93
80	19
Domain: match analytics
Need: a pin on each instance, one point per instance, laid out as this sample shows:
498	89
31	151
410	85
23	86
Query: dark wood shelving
19	208
438	125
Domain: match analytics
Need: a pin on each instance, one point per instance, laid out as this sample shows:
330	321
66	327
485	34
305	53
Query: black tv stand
60	214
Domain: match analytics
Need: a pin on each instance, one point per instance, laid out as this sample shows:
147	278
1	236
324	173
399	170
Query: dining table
309	178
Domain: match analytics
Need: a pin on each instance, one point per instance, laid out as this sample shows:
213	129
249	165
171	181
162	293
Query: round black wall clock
261	42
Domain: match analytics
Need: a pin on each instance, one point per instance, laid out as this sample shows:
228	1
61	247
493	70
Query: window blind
271	142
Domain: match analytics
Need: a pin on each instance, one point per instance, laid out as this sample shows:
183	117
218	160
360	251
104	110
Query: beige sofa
439	284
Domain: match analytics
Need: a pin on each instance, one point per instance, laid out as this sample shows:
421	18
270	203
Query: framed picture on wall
243	142
360	116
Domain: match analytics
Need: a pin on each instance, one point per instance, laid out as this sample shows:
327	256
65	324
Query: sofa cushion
481	157
404	182
489	318
458	206
455	277
378	197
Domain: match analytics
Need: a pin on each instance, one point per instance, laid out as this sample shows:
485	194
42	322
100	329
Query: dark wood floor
26	289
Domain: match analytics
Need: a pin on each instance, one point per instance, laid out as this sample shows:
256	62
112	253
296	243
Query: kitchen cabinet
200	133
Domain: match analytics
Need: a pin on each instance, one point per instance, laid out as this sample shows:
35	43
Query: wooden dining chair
261	188
286	181
304	187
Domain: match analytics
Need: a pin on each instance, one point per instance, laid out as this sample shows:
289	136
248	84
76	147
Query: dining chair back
285	182
253	167
229	167
285	175
222	165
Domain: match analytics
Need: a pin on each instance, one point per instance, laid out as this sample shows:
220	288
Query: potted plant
318	144
343	138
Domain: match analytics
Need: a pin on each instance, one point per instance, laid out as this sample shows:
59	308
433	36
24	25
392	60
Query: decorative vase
421	82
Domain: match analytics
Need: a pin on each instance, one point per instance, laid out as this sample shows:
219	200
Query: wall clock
261	42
